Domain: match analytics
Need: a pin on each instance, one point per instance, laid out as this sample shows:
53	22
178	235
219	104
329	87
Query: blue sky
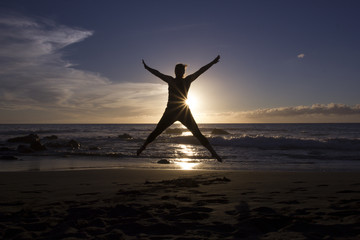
80	61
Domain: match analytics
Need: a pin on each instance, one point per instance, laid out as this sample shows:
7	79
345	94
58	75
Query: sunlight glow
186	164
192	101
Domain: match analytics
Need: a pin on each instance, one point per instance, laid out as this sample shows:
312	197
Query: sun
191	101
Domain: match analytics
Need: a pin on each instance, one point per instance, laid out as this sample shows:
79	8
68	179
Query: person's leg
189	122
165	122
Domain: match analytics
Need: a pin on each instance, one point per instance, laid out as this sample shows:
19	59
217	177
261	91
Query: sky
80	61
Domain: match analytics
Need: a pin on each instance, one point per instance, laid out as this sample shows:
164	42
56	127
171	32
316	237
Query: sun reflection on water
186	162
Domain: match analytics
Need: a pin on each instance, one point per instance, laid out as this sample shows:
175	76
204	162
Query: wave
288	143
94	154
262	142
38	131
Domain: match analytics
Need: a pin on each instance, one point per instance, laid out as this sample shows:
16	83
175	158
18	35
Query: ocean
254	147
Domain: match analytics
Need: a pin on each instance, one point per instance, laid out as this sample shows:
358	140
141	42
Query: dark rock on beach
37	146
24	149
73	144
163	161
25	139
125	136
52	137
32	139
55	144
62	143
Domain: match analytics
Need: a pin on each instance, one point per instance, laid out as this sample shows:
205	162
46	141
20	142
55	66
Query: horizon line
178	123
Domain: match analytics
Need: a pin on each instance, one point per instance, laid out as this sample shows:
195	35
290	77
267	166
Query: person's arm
203	69
163	77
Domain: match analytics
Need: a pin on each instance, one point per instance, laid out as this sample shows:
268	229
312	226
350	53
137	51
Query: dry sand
175	204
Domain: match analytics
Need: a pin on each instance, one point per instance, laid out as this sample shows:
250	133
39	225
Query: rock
61	143
58	143
52	137
163	161
32	139
26	139
24	149
125	136
73	144
216	131
55	144
37	146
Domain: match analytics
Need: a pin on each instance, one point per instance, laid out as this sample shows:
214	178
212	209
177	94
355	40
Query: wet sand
175	204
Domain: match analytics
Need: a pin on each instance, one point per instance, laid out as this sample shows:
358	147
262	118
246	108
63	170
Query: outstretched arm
204	68
156	72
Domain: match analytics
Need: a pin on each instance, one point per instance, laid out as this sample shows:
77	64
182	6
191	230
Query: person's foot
140	150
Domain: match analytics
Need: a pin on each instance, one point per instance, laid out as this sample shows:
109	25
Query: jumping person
177	109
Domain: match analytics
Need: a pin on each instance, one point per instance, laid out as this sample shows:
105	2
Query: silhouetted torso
178	91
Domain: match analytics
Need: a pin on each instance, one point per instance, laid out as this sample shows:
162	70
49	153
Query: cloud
34	74
25	39
301	55
315	109
332	112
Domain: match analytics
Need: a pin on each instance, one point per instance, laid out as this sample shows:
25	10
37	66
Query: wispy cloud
301	55
34	74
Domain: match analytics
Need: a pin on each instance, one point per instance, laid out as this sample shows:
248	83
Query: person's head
180	70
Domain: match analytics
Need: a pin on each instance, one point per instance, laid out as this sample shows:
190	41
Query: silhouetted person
177	109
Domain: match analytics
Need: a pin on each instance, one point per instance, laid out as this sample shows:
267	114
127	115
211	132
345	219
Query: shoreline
85	163
314	171
165	167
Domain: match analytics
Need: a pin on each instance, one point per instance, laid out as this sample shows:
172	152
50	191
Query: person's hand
216	60
145	66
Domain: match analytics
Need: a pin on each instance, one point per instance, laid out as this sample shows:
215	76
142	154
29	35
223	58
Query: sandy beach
175	204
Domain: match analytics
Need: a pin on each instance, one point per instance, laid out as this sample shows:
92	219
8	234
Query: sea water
275	147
